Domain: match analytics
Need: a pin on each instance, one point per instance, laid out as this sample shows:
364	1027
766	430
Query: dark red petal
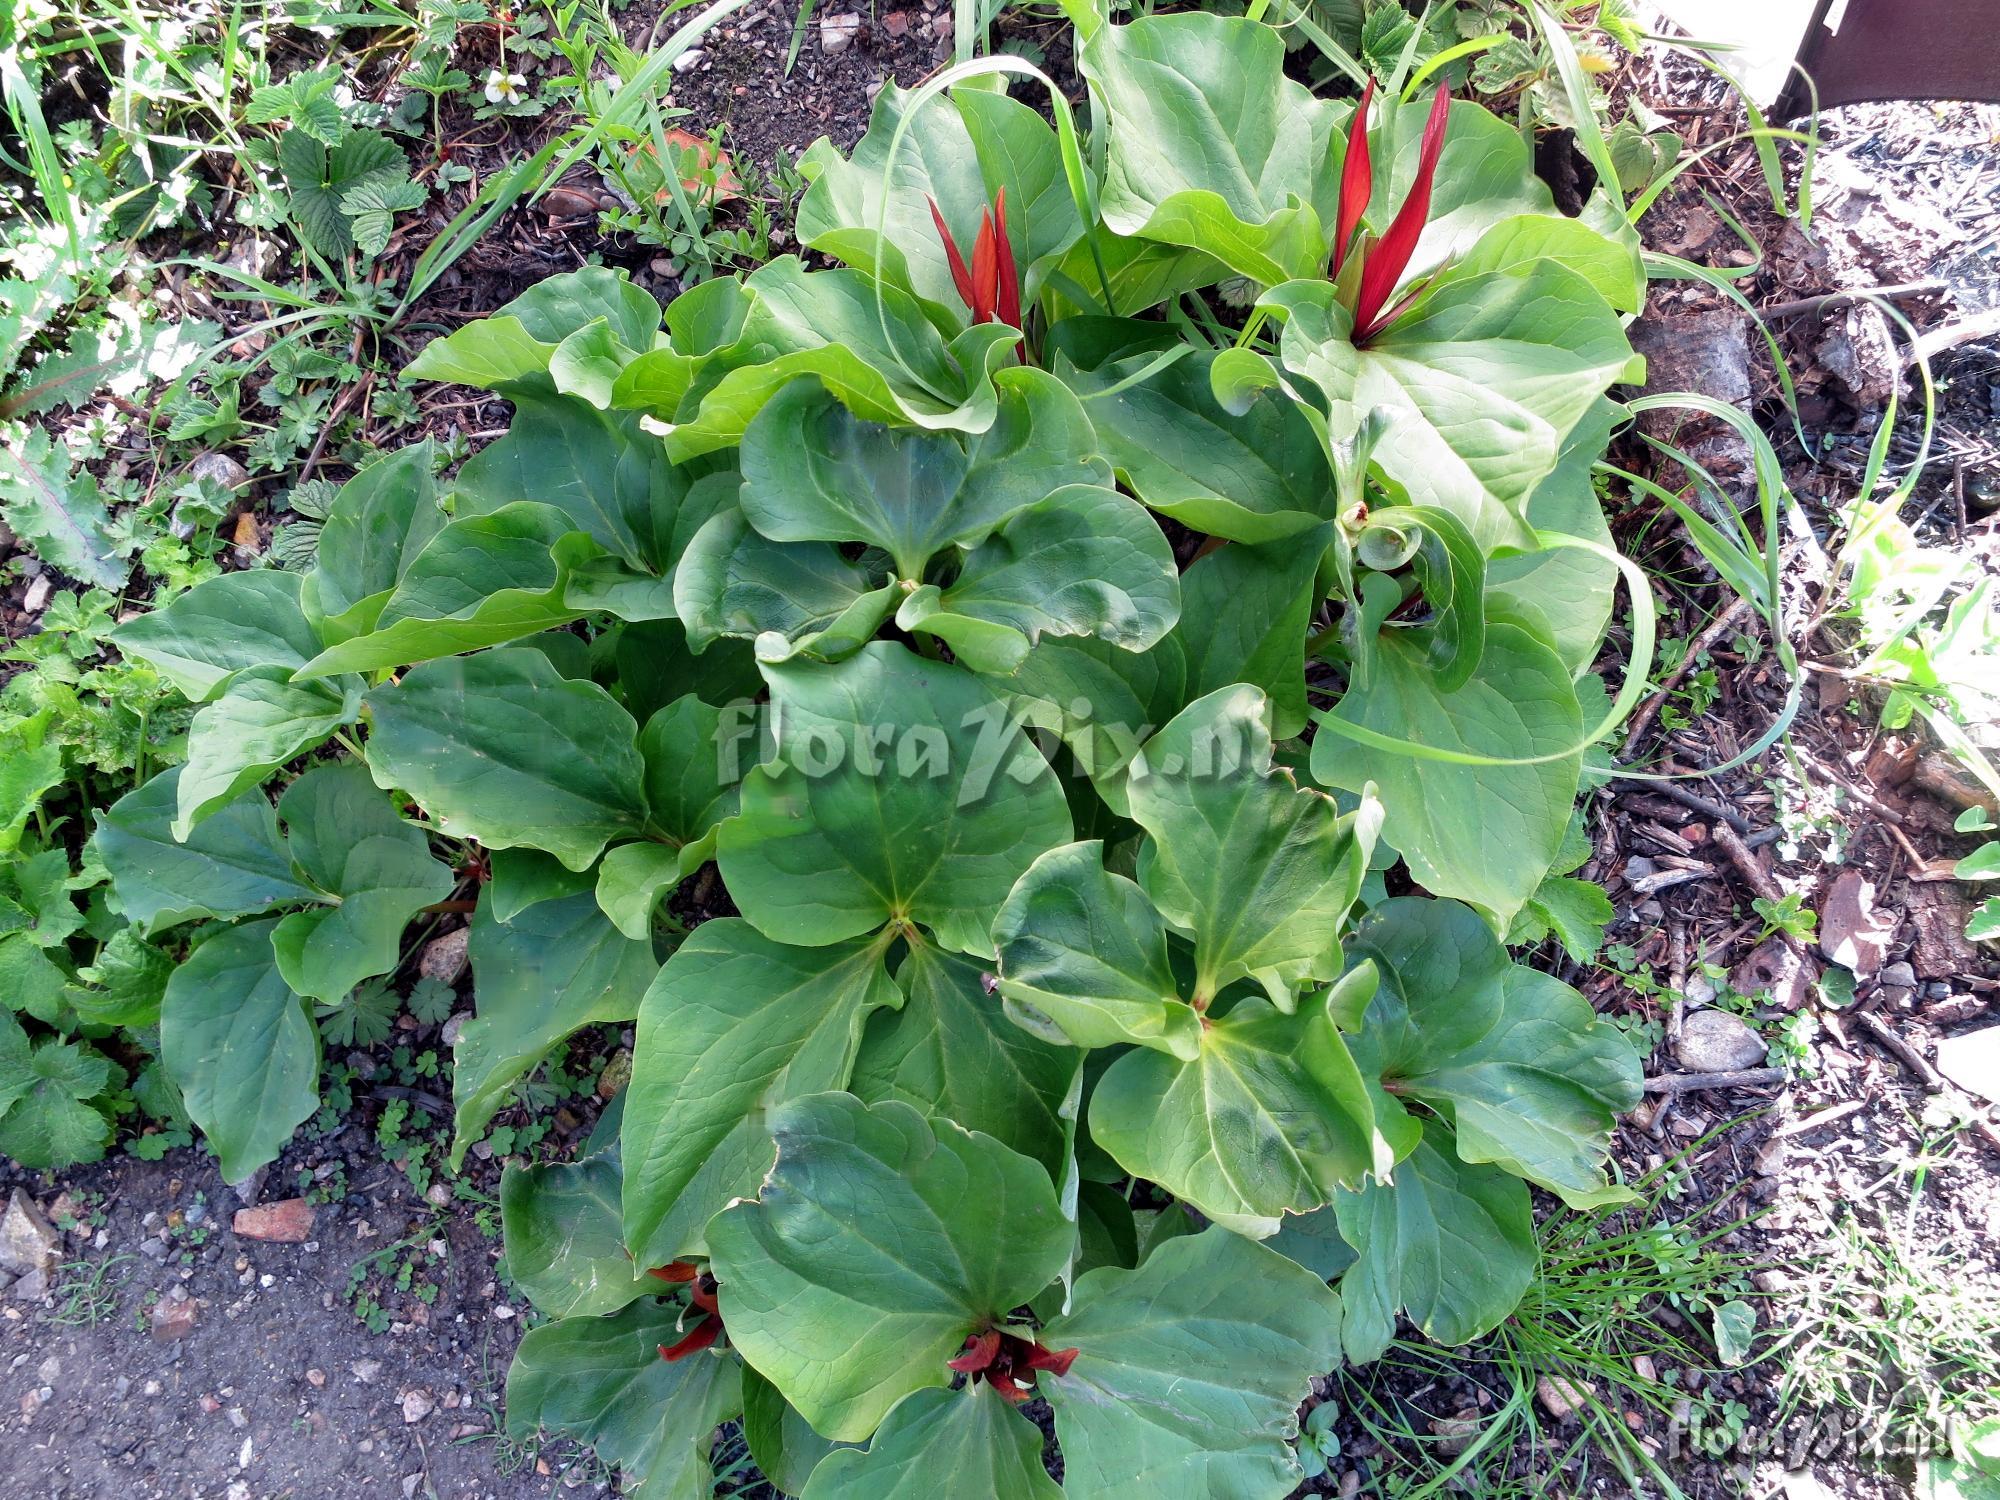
675	1270
705	1300
703	1334
1011	1393
985	270
979	1351
961	277
1009	306
1055	1361
1389	259
1357	180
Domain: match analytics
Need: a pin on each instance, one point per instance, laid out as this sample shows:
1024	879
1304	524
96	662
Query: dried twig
1932	1080
1735	1078
1830	301
1716	628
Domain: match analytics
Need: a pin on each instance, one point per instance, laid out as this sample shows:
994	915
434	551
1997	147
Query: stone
174	1316
219	469
250	1188
417	1405
1455	1434
897	23
617	1073
1972	1061
36	599
839	32
1559	1397
1714	1041
28	1241
289	1221
365	1370
1853	931
1776	968
32	1287
1898	976
454	1027
444	957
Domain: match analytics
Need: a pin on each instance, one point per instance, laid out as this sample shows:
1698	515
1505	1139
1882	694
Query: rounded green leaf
217	628
378	524
564	1246
501	748
782	1442
967	1442
237	1042
261	721
901	791
733	581
879	1241
1083	955
733	1026
1189	1371
1244	611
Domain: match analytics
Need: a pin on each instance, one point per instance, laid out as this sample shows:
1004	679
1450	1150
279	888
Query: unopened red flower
990	287
1384	259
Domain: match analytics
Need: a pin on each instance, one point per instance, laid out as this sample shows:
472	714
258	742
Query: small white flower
503	87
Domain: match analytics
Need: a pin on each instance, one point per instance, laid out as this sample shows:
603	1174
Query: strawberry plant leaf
127	980
564	1248
51	1122
1451	1244
376	870
232	864
262	720
501	748
1486	834
878	1243
602	1381
201	639
734	1026
1532	1079
964	1442
1189	1371
31	765
933	802
238	1044
814	472
950	1051
554	968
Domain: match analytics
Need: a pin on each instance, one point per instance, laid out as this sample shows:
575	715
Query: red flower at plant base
1009	1363
701	1293
1383	259
992	287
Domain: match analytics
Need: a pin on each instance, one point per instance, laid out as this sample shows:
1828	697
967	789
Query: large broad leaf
1450	1244
960	151
261	721
791	322
1250	478
1103	700
602	1381
237	1042
1211	146
217	628
1485	834
233	863
734	581
1085	561
1271	1117
1083	958
814	472
1244	611
1189	1372
693	754
734	1026
500	747
597	468
879	1242
1517	1060
782	1442
1257	870
555	967
378	524
1482	380
950	1051
518	342
375	870
564	1245
1573	589
966	1442
902	791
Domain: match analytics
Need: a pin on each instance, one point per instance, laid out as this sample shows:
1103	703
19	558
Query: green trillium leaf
375	869
783	1443
1313	1240
815	472
1103	700
902	790
564	1245
950	1051
879	1241
378	525
733	581
237	1042
262	720
204	637
523	877
965	1442
1189	1371
500	747
1244	611
232	863
518	341
602	1381
1451	1244
555	967
734	1026
588	363
1530	1076
1486	834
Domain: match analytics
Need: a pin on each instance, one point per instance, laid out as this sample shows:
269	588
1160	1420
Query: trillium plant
1122	778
